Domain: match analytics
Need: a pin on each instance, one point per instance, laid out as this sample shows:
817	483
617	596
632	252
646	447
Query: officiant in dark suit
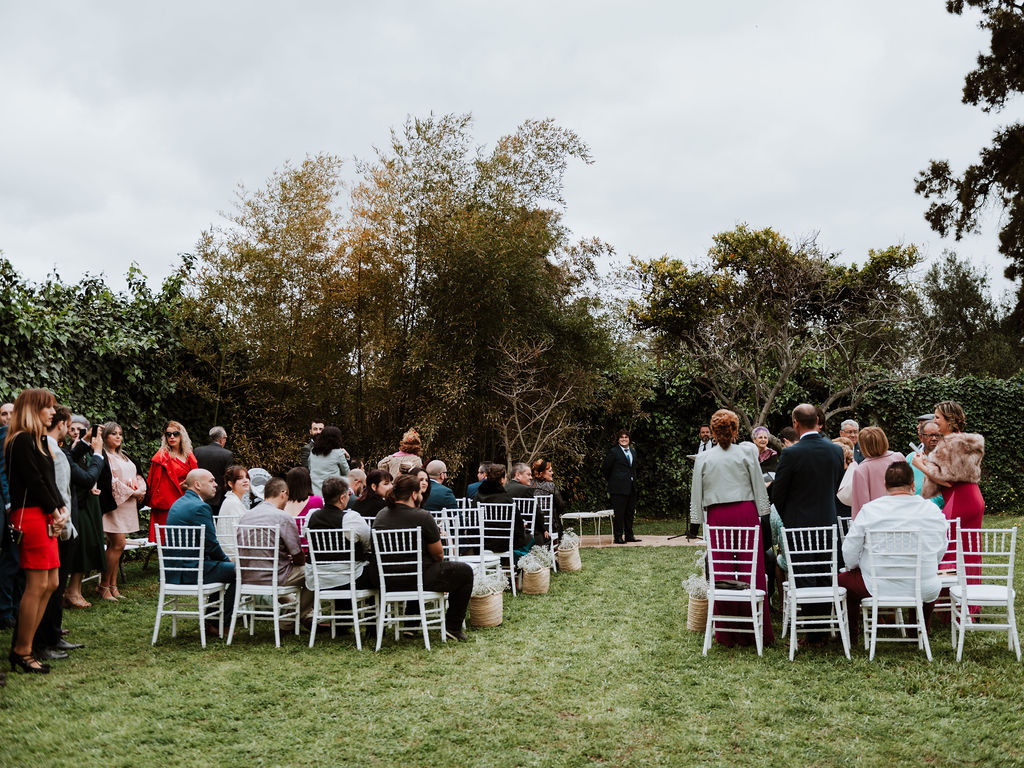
619	469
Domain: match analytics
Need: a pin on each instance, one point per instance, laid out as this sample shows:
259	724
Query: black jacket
493	492
30	474
620	474
806	482
80	476
215	458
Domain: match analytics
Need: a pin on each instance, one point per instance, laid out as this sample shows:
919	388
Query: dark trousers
624	507
48	632
457	580
225	572
856	591
12	581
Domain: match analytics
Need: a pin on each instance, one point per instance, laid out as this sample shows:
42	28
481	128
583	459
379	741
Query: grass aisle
601	671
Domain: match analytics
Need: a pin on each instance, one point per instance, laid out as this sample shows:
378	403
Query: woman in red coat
167	471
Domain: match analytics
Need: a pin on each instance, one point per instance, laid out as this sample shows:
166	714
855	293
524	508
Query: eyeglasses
172	434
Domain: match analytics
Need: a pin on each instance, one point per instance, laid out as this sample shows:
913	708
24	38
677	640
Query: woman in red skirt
37	514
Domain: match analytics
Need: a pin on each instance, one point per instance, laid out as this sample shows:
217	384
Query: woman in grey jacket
327	459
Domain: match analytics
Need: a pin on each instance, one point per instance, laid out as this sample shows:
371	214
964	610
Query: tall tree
998	178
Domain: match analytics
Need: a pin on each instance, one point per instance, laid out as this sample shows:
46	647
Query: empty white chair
812	578
894	574
332	550
399	555
257	591
984	570
732	557
180	551
498	522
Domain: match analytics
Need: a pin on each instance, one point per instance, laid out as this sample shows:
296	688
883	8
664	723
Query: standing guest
820	413
121	489
216	459
439	575
86	452
301	499
193	508
619	470
544	483
167	471
788	437
334	569
954	470
291	559
9	569
704	435
236	480
37	514
845	493
900	510
49	643
929	433
481	475
356	484
805	488
728	489
328	458
767	458
374	496
850	429
316	426
869	476
406	458
440	496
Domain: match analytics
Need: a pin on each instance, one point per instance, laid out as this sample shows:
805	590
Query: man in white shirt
901	510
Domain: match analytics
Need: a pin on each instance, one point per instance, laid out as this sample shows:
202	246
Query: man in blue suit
193	509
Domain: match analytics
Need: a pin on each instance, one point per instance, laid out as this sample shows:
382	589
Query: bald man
194	509
808	474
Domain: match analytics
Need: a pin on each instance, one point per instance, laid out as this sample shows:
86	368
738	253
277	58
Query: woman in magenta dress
728	489
954	469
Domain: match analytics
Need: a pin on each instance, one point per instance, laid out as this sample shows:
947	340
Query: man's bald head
805	418
202	482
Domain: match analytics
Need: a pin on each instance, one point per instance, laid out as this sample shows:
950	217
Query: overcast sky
126	126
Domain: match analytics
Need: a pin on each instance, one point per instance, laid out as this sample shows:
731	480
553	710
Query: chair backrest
331	545
985	556
949	559
399	555
527	509
498	523
258	553
732	553
546	505
179	550
225	527
465	503
894	563
469	531
844	527
811	555
447	524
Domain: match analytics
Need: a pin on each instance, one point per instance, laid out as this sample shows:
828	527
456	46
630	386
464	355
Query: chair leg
201	600
757	616
1012	621
277	621
316	618
844	625
159	614
961	630
922	632
874	632
234	615
792	626
709	626
380	623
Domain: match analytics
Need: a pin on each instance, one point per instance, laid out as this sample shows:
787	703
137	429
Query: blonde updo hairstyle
953	413
725	426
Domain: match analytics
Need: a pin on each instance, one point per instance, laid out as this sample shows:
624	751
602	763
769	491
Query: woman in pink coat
869	476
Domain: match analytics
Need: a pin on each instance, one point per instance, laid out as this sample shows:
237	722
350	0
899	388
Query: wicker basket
697	614
486	610
536	582
569	559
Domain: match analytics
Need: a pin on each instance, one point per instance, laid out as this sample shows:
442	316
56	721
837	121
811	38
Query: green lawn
601	671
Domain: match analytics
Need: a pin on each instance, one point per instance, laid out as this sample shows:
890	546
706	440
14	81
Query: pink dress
123	475
869	479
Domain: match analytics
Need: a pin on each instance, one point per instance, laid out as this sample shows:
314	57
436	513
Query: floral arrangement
696	586
537	559
569	540
489	582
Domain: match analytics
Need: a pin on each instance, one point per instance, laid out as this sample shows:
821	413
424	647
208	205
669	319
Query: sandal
109	597
76	602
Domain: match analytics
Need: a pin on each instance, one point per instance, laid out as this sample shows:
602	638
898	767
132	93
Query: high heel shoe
24	663
109	596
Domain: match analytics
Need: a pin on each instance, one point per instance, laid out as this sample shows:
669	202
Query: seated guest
492	491
290	559
481	475
900	510
334	572
544	483
869	477
845	493
193	508
300	498
439	575
373	498
521	487
440	496
767	458
356	484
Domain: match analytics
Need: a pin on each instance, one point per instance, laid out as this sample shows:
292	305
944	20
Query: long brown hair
185	443
953	413
25	416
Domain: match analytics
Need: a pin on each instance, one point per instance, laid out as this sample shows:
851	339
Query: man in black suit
619	469
216	459
804	491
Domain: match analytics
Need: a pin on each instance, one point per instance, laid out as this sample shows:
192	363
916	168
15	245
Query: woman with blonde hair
37	515
167	471
121	488
728	489
869	476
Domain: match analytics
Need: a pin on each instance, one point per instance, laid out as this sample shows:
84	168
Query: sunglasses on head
172	434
